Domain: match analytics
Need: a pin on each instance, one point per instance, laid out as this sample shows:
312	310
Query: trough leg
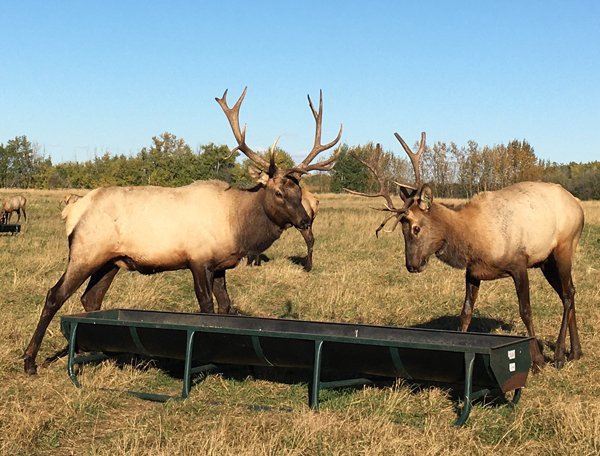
70	362
187	371
315	385
469	362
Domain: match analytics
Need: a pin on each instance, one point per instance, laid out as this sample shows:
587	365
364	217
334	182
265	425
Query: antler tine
375	168
233	116
414	159
328	164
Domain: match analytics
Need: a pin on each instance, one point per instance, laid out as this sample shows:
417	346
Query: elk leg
309	238
203	282
97	287
557	270
70	281
220	291
521	280
24	215
18	215
471	291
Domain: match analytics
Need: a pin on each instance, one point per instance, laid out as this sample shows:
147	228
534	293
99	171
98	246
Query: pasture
355	278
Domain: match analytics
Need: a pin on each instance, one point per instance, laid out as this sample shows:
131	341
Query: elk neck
254	230
457	230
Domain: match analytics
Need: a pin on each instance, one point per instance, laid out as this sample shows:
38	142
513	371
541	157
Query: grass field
356	278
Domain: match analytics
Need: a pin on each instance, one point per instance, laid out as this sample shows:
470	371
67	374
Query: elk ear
425	197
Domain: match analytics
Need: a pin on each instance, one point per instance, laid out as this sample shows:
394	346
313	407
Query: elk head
283	195
422	238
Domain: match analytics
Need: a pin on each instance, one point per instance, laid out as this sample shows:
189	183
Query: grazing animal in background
13	204
214	226
71	198
311	205
496	234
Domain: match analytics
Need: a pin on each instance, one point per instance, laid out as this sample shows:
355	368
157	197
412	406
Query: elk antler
376	168
328	164
414	159
233	115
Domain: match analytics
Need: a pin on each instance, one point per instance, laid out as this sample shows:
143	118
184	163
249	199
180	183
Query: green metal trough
486	364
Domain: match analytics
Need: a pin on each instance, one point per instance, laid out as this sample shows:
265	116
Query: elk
214	226
311	205
496	234
71	198
13	204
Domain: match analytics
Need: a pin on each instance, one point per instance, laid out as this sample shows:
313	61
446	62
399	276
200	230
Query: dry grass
356	278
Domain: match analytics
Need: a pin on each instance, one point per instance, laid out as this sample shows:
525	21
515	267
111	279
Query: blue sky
81	78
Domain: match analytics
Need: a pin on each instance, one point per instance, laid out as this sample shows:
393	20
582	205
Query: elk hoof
30	367
574	355
559	363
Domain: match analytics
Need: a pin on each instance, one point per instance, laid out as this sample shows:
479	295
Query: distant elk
13	204
71	198
214	226
496	234
311	205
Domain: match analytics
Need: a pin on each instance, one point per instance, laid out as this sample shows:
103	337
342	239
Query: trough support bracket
188	372
469	395
315	385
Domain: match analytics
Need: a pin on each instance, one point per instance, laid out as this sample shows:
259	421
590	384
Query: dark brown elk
213	227
311	205
496	234
13	204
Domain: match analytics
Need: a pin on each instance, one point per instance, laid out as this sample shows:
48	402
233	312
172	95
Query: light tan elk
71	198
311	205
213	227
496	234
13	204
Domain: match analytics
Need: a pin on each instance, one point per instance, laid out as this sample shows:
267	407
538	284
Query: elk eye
416	230
278	194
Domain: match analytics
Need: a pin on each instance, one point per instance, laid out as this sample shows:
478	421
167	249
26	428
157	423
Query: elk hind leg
521	280
70	281
97	287
557	270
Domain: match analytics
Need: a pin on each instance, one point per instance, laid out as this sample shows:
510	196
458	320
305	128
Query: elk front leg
471	291
220	291
203	284
309	238
521	280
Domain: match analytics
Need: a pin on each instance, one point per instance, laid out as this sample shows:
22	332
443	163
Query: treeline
454	171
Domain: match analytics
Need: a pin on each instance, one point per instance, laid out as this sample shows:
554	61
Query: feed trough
10	228
483	363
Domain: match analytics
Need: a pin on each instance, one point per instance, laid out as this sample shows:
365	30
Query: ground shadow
298	260
478	324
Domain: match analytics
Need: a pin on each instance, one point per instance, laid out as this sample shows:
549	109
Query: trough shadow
478	324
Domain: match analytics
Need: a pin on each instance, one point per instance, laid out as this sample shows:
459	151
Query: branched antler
233	115
328	164
376	169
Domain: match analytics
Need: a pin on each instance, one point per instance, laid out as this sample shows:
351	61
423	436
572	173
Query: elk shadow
298	260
